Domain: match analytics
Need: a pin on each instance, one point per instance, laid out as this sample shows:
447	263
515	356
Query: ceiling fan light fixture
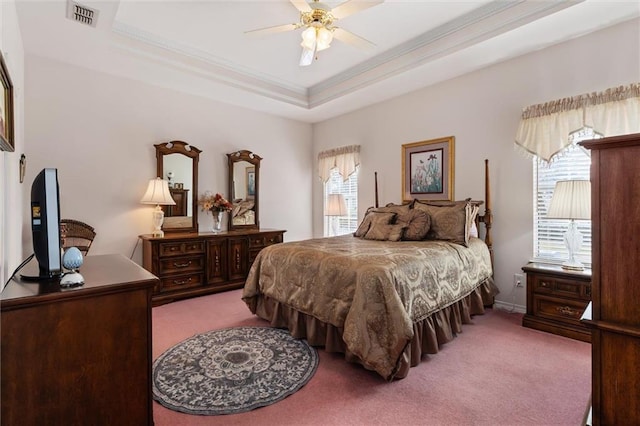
309	38
324	37
316	20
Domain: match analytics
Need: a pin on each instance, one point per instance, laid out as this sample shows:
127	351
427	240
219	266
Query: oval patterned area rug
232	370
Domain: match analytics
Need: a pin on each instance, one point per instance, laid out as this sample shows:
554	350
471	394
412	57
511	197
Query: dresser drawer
181	265
566	310
543	284
180	248
264	240
181	281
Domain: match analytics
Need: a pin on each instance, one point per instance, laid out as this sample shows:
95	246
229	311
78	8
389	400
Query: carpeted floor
495	373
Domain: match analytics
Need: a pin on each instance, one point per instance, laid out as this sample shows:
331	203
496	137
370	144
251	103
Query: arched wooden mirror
244	189
178	164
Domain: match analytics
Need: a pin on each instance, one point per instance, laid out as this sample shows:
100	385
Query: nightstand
556	299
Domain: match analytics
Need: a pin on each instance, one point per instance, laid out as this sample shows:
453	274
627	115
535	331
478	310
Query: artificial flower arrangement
214	203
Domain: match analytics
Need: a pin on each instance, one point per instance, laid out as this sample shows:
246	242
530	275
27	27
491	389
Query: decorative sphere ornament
72	258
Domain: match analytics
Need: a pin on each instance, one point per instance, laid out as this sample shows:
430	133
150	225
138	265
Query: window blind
349	189
548	238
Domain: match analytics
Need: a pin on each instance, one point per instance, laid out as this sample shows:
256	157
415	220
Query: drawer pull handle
181	265
567	311
180	282
544	284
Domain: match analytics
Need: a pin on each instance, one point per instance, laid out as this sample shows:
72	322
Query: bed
382	298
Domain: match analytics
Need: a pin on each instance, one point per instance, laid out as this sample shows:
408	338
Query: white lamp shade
158	193
336	205
571	200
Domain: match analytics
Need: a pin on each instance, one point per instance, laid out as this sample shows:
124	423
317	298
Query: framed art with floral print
427	170
7	142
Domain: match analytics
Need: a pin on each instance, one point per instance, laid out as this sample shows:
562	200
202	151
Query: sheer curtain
545	128
346	159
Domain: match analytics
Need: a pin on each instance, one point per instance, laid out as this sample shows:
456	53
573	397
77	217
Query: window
548	240
339	225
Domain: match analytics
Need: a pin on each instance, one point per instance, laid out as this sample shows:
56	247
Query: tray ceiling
201	47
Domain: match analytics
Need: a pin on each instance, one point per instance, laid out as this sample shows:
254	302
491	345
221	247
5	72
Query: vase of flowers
216	204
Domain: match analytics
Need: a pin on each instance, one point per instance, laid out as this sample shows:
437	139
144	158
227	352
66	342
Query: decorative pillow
447	222
394	208
384	232
371	217
417	223
471	230
443	203
471	209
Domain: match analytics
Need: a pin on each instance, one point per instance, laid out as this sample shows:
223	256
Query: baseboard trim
510	307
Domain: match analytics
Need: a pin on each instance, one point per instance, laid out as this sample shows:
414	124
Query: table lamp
158	194
336	206
571	200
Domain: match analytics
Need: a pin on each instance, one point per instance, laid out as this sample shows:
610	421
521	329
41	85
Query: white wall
10	193
482	111
99	131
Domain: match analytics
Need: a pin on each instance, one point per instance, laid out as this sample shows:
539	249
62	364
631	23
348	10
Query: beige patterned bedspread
375	290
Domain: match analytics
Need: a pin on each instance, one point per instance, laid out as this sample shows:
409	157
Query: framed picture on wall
427	169
251	182
7	142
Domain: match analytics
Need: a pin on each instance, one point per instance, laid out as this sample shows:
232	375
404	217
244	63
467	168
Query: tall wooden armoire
615	288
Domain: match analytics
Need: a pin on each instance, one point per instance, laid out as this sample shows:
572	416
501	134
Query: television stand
78	355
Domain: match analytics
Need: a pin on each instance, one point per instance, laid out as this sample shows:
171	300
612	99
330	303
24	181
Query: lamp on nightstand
336	206
158	194
571	200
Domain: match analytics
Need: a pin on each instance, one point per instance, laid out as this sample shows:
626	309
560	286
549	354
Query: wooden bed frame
486	218
429	333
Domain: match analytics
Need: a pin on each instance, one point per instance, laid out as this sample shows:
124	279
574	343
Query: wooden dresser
556	299
615	310
82	355
195	264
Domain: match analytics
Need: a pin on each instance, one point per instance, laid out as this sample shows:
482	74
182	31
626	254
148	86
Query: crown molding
203	64
474	27
479	25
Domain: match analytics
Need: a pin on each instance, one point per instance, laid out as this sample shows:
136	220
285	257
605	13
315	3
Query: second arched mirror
244	189
178	163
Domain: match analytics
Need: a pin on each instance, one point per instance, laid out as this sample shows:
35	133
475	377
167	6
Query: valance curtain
545	128
345	159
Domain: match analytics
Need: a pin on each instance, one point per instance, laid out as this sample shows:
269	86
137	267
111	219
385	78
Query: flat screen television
45	223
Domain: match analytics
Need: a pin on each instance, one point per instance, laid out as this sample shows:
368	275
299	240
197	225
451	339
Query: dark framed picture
427	169
7	142
251	182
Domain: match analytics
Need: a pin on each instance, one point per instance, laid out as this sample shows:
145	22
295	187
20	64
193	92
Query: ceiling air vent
83	14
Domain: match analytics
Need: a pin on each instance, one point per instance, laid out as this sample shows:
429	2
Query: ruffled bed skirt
428	334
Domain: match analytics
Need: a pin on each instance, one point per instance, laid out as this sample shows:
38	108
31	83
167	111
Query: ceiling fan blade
301	5
352	6
273	30
307	57
352	39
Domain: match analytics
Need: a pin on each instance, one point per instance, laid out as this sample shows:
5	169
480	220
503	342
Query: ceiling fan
318	20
